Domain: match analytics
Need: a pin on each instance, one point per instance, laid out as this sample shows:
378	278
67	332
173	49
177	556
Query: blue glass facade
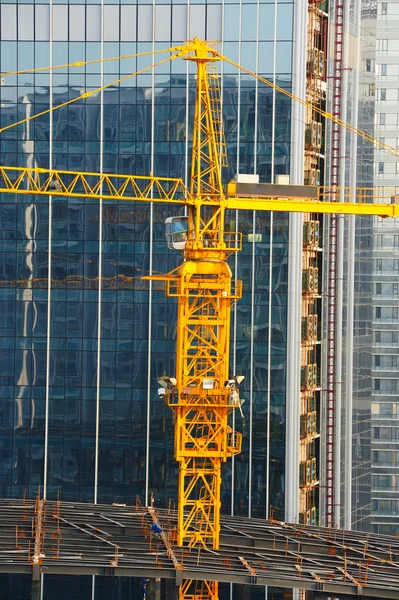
82	338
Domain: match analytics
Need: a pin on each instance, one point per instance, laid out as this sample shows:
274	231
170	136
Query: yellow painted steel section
199	590
314	206
205	292
201	403
76	184
209	231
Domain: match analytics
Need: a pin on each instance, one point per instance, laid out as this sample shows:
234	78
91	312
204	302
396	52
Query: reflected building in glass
83	339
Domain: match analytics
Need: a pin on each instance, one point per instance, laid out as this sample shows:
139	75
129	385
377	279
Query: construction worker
143	587
156	530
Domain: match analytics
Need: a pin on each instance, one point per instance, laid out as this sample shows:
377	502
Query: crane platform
44	537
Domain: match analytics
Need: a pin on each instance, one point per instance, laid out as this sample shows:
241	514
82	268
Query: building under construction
85	338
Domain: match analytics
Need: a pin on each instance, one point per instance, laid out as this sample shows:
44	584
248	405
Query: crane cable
86	62
351	128
88	94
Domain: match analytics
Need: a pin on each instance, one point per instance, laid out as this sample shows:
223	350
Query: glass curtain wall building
368	399
82	338
354	297
359	384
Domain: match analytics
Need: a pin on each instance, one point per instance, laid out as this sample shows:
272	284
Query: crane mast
203	394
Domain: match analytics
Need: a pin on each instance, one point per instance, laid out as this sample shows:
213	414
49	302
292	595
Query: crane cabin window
176	231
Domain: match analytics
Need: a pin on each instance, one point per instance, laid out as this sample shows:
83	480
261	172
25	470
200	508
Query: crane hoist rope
216	55
88	94
82	63
351	128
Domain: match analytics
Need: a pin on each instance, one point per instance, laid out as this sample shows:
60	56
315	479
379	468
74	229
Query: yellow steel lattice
217	113
199	590
203	438
205	167
44	182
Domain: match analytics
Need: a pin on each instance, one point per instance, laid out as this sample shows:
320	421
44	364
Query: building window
368	64
378	264
395	310
395	265
384	8
382	118
394	361
378	312
383	94
378	289
378	337
395	289
394	337
377	360
380	241
381	168
377	385
371	89
376	433
383	69
384	45
386	409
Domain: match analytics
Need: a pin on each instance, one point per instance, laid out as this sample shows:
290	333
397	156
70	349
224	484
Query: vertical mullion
270	294
147	442
50	215
239	89
49	267
100	257
236	268
269	368
274	90
255	170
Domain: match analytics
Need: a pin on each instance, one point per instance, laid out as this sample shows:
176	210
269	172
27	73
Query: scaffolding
309	472
53	537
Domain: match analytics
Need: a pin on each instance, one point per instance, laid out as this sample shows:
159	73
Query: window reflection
122	372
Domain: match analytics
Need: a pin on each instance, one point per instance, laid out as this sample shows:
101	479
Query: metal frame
204	290
39	537
332	330
73	184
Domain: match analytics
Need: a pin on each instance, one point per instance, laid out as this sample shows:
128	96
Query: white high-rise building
385	280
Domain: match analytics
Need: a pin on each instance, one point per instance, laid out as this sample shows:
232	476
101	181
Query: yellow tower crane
203	392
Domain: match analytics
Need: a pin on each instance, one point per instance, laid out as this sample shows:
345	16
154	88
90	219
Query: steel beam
312	206
81	539
36	583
